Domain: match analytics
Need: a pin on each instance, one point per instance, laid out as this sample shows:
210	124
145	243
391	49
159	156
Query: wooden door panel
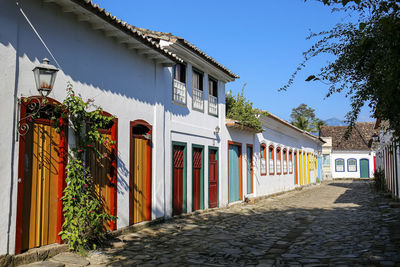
103	172
213	179
233	173
39	225
178	162
197	165
140	181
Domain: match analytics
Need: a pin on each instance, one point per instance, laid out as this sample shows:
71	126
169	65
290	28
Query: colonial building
348	158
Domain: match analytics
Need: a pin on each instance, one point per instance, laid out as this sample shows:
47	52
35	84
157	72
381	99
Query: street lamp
375	138
45	75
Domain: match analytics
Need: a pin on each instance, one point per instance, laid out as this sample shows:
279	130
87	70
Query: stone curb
33	255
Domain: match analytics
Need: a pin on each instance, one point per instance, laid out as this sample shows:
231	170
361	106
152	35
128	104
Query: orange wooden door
102	170
140	188
40	187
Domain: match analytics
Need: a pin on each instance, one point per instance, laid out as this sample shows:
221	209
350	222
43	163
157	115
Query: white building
348	158
129	75
279	158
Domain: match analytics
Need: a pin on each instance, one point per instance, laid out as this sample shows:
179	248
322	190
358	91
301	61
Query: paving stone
71	259
44	264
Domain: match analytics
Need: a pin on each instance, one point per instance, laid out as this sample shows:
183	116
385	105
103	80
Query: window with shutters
278	161
212	96
271	158
263	157
198	92
179	88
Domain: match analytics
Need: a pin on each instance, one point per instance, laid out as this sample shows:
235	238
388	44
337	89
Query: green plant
240	109
379	180
85	218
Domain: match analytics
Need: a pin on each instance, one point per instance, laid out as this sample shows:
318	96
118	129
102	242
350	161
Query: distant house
348	158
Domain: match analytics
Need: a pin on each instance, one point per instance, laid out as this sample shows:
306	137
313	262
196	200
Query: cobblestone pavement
343	223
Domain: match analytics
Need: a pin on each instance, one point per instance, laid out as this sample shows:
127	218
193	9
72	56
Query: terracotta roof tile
359	139
173	38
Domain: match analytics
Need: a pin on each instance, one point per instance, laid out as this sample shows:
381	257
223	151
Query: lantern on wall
45	75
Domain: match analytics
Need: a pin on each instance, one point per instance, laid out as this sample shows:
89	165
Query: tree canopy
367	58
303	117
240	109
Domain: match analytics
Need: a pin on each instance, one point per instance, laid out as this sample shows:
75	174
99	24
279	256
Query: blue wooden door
233	173
364	168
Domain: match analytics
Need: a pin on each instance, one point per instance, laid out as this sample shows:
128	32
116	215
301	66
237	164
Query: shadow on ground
358	227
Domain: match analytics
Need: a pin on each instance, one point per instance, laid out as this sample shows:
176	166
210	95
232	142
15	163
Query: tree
367	58
303	117
240	109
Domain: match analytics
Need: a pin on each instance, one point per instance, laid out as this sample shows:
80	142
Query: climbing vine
84	214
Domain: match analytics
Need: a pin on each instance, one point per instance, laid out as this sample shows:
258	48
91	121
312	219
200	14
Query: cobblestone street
341	223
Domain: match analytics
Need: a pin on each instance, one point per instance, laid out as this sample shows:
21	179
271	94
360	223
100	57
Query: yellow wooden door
39	215
101	170
140	180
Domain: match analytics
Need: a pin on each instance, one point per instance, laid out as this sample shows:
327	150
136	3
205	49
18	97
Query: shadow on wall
243	235
87	56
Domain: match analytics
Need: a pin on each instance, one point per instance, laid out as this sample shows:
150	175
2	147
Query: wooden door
364	168
103	171
140	164
213	178
178	172
249	170
197	178
40	187
234	173
140	180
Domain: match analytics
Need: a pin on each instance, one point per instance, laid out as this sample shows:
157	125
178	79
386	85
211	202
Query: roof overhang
198	61
120	31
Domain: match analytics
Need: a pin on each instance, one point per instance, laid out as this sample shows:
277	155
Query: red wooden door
178	179
213	179
196	177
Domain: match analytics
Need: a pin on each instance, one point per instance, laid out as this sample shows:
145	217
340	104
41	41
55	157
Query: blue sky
261	41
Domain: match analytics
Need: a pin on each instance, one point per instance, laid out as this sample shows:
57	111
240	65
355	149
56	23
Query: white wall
358	155
123	83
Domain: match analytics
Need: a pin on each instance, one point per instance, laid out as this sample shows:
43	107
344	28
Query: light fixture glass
45	76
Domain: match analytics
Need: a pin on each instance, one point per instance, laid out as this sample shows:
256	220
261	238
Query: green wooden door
364	168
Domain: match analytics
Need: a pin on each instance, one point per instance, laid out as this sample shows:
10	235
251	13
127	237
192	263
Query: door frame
217	159
184	176
63	146
251	168
149	183
239	145
201	176
367	165
295	167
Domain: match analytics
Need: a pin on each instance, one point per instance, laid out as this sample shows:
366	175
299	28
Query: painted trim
217	159
279	157
263	153
296	168
349	164
201	176
239	145
285	157
63	159
271	149
251	168
344	167
149	183
184	178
